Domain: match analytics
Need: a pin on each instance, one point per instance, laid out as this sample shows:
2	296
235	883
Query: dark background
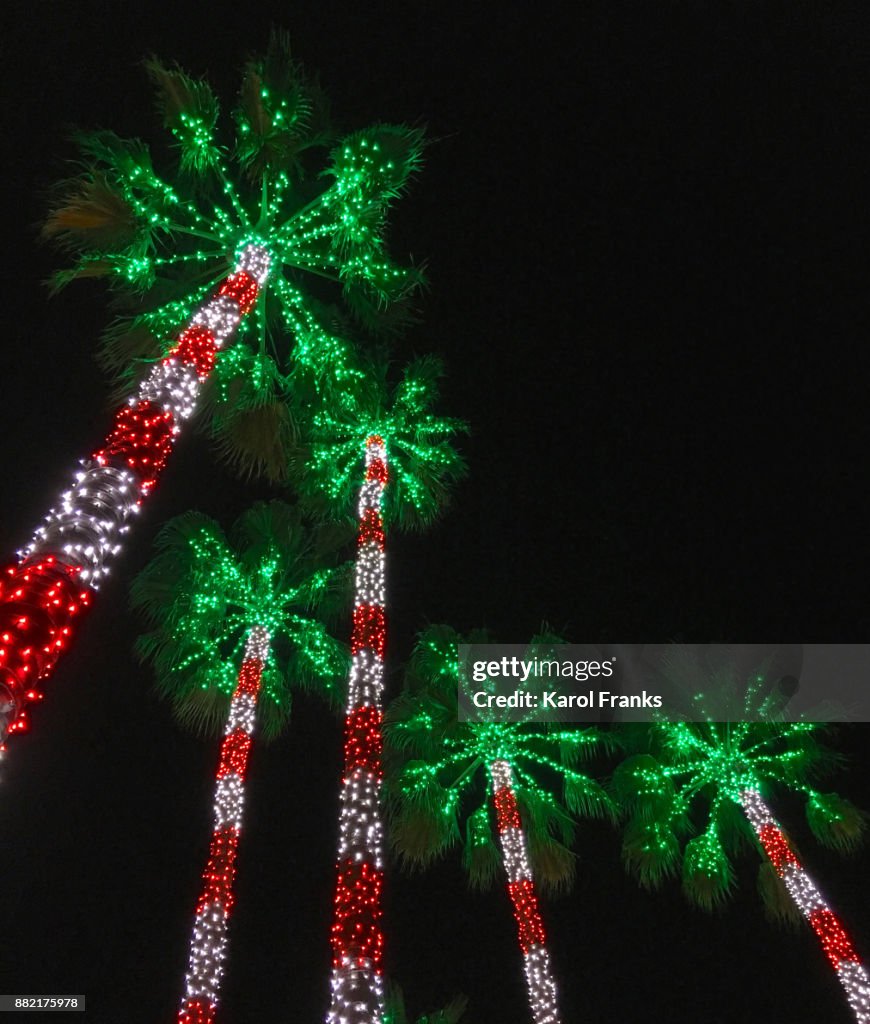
647	232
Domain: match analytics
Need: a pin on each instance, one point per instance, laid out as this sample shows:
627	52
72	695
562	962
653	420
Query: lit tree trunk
74	548
357	939
521	889
835	941
209	939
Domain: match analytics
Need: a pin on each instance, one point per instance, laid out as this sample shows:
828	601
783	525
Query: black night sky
646	227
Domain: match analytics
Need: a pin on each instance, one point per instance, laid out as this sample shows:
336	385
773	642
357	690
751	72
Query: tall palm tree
234	632
456	771
383	447
229	247
696	797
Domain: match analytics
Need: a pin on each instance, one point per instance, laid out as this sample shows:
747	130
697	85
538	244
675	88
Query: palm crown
442	776
204	592
684	798
422	461
162	245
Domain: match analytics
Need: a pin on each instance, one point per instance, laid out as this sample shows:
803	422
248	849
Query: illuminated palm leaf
203	592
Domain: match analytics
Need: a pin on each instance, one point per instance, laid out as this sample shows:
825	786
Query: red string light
250	675
363	743
371	529
369	629
196	347
234	754
777	849
243	288
527	914
835	942
220	870
377	470
38	607
356	933
197	1011
506	810
141	439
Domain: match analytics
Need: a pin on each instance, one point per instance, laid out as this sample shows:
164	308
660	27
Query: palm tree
243	230
695	798
453	771
385	448
234	632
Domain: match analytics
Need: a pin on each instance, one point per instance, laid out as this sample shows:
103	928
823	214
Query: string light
81	538
521	889
216	610
357	938
173	386
833	937
86	531
209	940
40	603
439	786
700	771
239	205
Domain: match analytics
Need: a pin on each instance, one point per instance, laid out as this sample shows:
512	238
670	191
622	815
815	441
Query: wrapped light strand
832	935
39	604
357	937
209	939
79	540
521	889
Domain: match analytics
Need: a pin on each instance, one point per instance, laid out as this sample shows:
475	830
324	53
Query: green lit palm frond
280	113
682	797
422	462
203	592
396	1012
439	788
162	226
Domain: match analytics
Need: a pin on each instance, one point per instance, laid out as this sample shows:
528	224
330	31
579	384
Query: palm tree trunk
832	935
209	939
357	939
521	889
79	540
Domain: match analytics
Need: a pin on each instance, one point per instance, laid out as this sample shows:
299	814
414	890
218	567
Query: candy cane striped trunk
521	889
835	941
357	939
79	540
209	940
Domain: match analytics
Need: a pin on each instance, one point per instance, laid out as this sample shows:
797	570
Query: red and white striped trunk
521	889
357	939
209	940
835	941
41	597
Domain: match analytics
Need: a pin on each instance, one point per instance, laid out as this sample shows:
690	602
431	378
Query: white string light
357	987
539	976
208	943
86	531
833	937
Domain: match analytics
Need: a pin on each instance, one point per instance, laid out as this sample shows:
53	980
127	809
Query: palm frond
650	852
189	110
836	822
421	830
553	864
204	594
587	798
708	875
481	855
90	215
779	907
